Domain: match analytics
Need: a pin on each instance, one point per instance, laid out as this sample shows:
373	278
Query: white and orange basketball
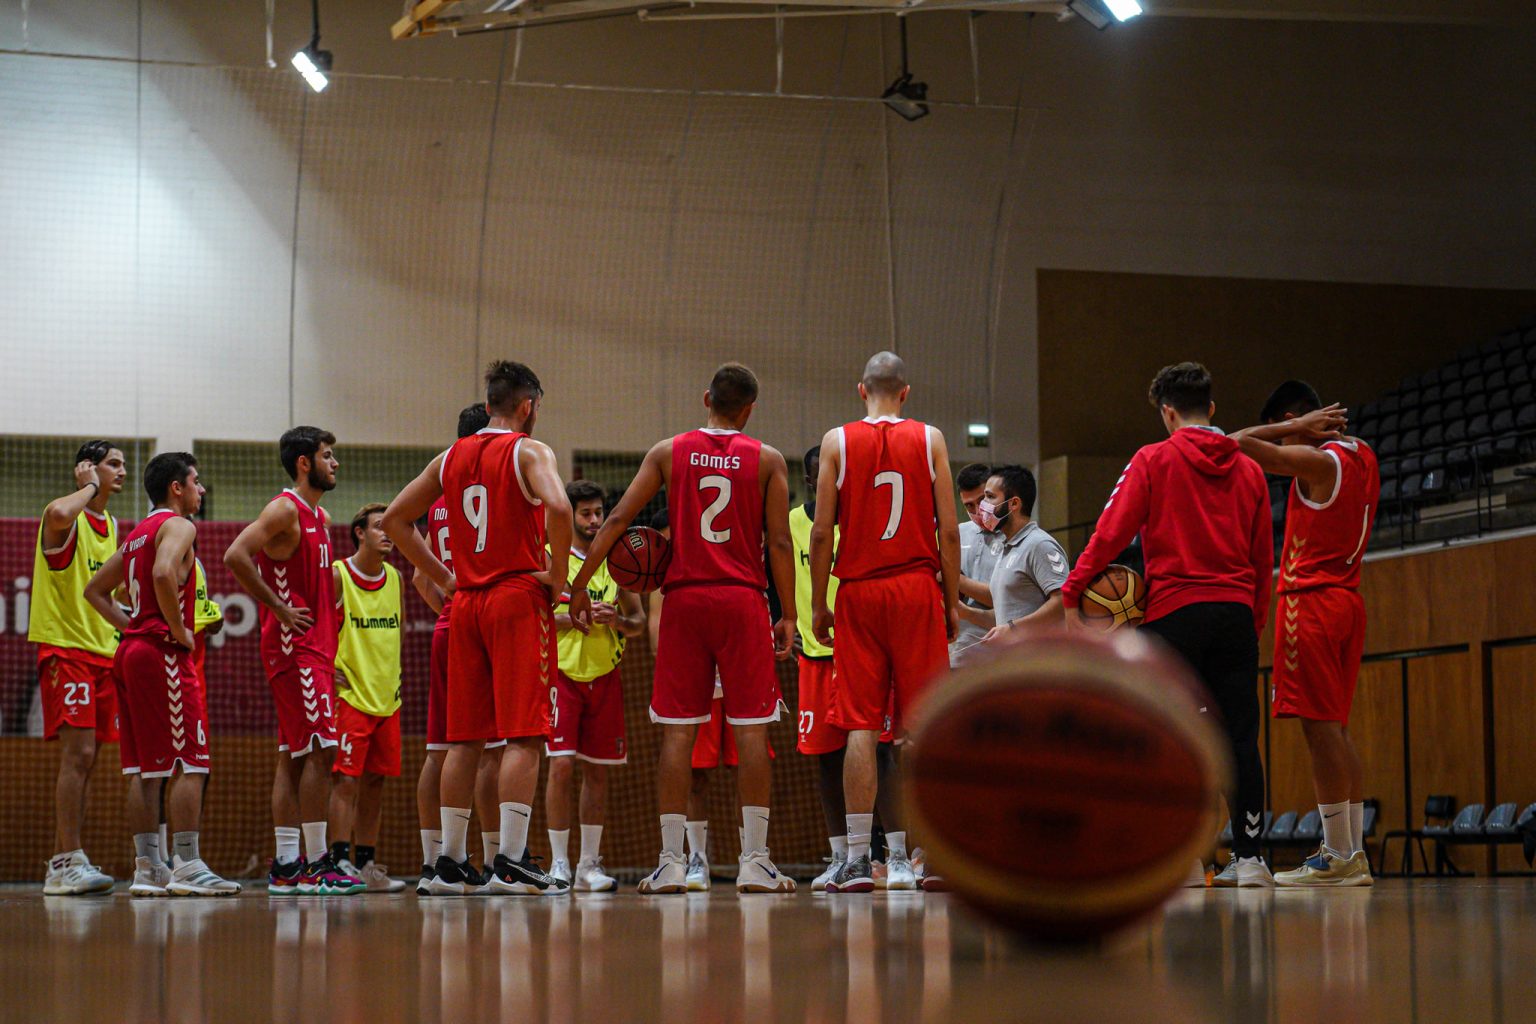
1068	786
1117	596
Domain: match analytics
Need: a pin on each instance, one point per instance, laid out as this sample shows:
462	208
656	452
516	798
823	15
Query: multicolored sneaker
283	879
323	877
424	883
1327	869
523	877
698	873
73	874
934	882
855	876
819	884
451	878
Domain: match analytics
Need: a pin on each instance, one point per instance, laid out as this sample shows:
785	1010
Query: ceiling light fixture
1101	13
312	62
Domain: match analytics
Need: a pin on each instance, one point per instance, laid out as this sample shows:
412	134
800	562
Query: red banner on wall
239	701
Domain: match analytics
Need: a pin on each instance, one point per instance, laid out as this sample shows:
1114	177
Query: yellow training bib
368	646
800	532
60	617
588	656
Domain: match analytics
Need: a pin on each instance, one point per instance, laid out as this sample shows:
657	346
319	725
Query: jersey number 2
714	508
892	479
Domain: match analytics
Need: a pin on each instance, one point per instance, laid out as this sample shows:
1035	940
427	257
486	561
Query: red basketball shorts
437	689
1319	637
162	714
501	660
369	743
817	735
714	744
77	691
305	697
705	628
890	648
587	719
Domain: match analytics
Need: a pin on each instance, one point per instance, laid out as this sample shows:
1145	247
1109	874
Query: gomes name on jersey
714	461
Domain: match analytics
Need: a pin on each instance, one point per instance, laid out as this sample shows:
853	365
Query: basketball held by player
163	714
728	501
884	490
509	528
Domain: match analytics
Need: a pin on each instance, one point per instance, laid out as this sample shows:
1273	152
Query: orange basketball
638	560
1068	786
1116	596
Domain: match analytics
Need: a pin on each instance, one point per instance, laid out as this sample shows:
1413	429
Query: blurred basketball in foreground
638	561
1116	596
1067	786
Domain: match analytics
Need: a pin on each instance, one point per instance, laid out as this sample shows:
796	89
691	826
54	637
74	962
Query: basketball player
1031	566
978	555
587	700
1321	630
74	652
371	604
884	483
472	418
283	560
1202	509
164	717
726	494
503	493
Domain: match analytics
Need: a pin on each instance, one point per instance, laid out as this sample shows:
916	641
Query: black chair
1455	409
1495	380
1432	436
1409	418
1520	374
1501	821
1477	404
1439	809
1514	356
1499	400
1452	389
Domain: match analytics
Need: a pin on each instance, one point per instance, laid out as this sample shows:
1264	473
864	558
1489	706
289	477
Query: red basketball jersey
302	580
144	616
715	503
885	511
437	541
495	524
1324	540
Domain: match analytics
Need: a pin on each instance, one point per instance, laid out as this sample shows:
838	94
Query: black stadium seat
1520	374
1455	409
1477	404
1499	400
1432	437
1408	419
1495	380
1455	432
1451	390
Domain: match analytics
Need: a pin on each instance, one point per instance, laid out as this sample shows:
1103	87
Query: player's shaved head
733	388
885	375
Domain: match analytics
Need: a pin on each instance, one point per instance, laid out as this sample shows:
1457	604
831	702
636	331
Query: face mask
990	520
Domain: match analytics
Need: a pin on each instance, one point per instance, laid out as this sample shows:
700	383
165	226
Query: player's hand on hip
783	638
295	620
184	636
821	625
452	587
581	610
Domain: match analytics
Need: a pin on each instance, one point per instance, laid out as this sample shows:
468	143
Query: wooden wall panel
1445	728
1376	725
1514	717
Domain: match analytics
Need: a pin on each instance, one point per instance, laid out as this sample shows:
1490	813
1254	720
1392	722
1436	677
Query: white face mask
989	519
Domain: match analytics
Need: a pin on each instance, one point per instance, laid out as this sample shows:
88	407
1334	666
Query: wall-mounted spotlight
312	62
978	435
905	96
1100	13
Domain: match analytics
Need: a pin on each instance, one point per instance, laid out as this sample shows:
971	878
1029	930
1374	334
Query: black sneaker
523	878
453	879
424	883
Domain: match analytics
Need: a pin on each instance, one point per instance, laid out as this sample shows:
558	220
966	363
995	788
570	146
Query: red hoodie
1202	509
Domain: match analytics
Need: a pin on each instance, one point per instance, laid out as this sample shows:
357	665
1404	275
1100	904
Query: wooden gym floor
1454	950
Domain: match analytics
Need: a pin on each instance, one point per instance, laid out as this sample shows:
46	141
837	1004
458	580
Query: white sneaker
899	875
919	864
756	873
376	876
698	873
1196	879
561	869
74	875
150	877
590	876
194	878
1253	873
821	880
670	876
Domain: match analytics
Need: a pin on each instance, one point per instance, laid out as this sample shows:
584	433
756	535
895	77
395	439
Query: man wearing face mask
1030	565
978	554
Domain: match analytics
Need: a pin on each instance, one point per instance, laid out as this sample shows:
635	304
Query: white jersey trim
884	419
718	432
300	500
1338	483
842	457
928	443
371	579
517	467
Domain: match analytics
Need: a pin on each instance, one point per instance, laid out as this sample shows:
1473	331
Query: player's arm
653	618
976	590
647	482
823	534
1262	553
399	522
278	518
1123	517
631	619
428	590
98	591
982	617
774	477
61	513
173	543
1315	468
949	531
536	461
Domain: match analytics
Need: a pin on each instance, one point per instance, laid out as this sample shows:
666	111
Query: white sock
859	828
698	838
1357	827
431	844
560	844
839	846
314	840
591	839
1336	830
287	844
754	829
490	843
165	843
455	833
147	845
672	826
186	848
895	845
514	829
